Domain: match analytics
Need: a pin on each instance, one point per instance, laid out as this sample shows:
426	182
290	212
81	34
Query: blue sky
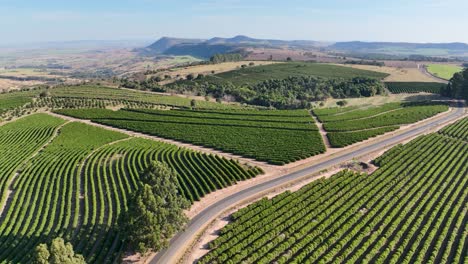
328	20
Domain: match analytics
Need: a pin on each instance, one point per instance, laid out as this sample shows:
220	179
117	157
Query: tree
342	103
155	210
458	86
190	77
288	59
59	253
193	103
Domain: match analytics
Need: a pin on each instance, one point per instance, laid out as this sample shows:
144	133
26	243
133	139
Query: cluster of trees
155	211
219	58
458	86
150	84
59	252
290	93
365	62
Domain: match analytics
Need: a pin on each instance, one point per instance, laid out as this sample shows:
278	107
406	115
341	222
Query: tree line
458	86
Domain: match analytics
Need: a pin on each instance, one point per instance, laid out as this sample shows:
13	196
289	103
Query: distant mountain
165	43
401	47
207	48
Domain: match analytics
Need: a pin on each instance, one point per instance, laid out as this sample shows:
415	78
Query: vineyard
413	209
78	184
458	130
347	126
414	87
277	137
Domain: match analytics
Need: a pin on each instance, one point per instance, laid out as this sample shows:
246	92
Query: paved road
179	243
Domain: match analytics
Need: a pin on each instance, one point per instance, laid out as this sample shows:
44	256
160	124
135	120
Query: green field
445	72
257	74
414	87
79	184
411	210
277	137
350	125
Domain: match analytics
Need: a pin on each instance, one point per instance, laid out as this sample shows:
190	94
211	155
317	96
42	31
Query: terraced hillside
277	137
77	186
350	125
413	209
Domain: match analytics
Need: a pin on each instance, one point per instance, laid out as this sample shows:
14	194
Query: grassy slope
443	71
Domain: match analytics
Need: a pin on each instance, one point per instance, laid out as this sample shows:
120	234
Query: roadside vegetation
351	125
411	210
274	136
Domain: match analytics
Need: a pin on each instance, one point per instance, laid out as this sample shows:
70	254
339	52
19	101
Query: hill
207	48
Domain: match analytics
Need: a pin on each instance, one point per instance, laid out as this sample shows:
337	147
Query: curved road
179	243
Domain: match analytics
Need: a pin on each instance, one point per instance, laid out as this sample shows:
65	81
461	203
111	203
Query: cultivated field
253	75
182	72
396	74
415	87
352	125
75	183
411	210
277	137
445	72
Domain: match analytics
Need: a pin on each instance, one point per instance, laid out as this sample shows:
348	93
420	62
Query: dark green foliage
155	211
415	87
458	86
411	210
365	62
291	92
58	253
227	57
277	137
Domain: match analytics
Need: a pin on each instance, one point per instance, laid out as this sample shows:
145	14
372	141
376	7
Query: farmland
445	72
397	73
277	137
350	125
411	210
78	184
257	74
414	87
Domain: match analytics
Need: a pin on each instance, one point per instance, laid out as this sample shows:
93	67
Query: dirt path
322	131
10	191
423	68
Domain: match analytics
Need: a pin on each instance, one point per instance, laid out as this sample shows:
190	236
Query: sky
27	21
